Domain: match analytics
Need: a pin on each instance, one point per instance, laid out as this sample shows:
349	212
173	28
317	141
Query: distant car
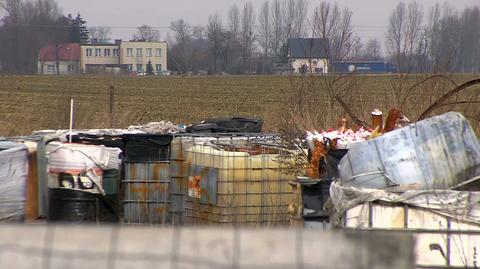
164	73
200	72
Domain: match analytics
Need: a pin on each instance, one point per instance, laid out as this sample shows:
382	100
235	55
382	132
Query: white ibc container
437	153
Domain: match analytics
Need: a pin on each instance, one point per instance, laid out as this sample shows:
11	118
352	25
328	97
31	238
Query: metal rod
71	121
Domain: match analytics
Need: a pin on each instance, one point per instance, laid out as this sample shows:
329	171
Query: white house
308	55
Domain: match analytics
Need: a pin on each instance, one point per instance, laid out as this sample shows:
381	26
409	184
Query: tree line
244	40
438	40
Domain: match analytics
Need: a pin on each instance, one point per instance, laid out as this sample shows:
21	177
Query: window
89	52
139	68
129	52
158	67
71	68
106	52
98	52
158	52
149	52
116	52
139	52
51	68
130	67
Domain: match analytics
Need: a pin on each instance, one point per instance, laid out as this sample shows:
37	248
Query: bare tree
264	32
100	33
146	33
335	24
231	45
295	15
469	54
183	40
372	50
405	34
216	37
247	36
20	40
277	22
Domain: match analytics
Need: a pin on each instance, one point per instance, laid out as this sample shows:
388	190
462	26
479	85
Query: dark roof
66	52
308	47
99	44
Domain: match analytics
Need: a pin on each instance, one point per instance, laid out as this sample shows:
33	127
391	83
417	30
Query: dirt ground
29	103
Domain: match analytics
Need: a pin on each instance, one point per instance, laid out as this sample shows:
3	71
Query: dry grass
30	103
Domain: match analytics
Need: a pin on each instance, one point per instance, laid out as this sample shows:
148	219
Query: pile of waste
161	127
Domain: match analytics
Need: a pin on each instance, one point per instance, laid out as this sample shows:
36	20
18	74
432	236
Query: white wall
43	67
316	66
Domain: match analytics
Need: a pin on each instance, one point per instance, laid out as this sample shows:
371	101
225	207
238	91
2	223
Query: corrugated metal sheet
146	188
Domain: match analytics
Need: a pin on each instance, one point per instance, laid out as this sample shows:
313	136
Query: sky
369	16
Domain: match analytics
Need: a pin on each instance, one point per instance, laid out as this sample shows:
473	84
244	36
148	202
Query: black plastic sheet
227	125
111	141
143	147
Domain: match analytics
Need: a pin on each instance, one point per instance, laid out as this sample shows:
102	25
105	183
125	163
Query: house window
158	52
149	52
89	52
129	52
139	68
158	67
139	52
130	67
51	68
71	68
116	52
106	52
98	52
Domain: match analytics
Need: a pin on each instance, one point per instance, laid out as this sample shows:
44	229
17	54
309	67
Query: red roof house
68	59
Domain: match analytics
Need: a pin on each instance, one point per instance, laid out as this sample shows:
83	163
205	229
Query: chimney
118	41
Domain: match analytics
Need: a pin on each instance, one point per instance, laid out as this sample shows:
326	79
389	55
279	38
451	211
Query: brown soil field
29	103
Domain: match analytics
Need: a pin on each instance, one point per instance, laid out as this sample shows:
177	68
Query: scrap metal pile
422	176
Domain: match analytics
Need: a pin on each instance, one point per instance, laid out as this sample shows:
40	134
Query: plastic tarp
13	179
227	125
140	148
80	166
461	205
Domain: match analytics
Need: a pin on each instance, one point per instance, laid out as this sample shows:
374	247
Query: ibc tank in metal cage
234	180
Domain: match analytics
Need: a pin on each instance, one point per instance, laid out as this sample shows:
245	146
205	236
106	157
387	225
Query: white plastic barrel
435	153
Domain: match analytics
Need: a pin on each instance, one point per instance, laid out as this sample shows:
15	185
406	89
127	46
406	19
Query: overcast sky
369	16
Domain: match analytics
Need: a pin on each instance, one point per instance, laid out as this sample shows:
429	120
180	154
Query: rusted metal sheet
202	184
146	188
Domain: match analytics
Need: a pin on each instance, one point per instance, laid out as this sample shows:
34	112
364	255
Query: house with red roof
61	59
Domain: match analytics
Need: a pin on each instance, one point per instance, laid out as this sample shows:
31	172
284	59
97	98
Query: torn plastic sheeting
436	153
13	179
74	165
461	205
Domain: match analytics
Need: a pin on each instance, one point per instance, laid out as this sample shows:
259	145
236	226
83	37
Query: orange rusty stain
160	210
142	189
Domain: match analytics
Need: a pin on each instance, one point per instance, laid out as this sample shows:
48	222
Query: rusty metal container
236	180
179	182
146	187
